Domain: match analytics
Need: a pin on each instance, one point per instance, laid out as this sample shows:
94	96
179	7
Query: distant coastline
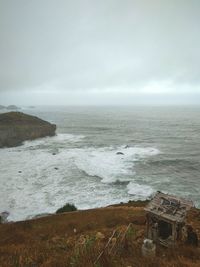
9	107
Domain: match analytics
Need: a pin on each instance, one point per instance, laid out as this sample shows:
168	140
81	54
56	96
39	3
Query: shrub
67	208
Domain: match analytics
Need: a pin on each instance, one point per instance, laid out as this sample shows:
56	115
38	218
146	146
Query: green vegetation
67	208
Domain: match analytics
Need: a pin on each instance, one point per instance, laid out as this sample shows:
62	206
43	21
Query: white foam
140	192
110	166
39	187
59	138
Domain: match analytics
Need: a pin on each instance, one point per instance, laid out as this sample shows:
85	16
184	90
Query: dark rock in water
19	171
12	107
118	182
56	168
17	127
119	153
127	146
53	154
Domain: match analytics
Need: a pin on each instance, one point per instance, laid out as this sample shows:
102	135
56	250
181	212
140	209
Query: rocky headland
17	127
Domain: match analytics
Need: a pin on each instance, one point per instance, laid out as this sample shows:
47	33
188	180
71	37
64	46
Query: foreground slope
16	127
77	239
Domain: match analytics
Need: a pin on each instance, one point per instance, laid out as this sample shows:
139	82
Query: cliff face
16	127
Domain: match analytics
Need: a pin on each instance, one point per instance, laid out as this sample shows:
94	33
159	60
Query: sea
102	156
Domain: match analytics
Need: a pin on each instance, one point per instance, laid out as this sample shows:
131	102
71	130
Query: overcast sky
99	52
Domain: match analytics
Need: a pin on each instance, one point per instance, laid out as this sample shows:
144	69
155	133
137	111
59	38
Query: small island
12	107
17	127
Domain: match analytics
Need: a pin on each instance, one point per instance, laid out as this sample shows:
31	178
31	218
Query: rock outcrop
12	107
119	153
16	127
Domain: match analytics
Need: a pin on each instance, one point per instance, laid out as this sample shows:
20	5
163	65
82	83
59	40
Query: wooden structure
166	218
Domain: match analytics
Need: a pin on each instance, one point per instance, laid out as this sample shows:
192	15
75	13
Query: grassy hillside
77	238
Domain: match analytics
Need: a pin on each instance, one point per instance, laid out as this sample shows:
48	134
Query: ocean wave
38	181
140	192
112	164
189	164
59	138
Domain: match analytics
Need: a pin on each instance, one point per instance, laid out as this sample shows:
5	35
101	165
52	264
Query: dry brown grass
129	254
52	241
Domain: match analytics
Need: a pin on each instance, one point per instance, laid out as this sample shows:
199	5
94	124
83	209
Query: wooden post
174	233
147	228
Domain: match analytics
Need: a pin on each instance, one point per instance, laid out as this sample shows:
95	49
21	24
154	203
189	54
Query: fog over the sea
109	52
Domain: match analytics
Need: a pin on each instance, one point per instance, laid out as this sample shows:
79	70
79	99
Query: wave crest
57	139
112	164
141	192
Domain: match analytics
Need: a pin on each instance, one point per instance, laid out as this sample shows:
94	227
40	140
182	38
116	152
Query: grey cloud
96	45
